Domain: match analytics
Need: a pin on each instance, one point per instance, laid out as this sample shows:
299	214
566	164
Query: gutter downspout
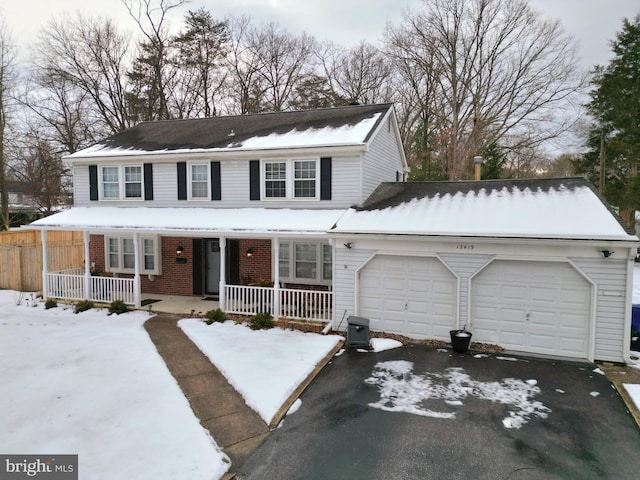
626	352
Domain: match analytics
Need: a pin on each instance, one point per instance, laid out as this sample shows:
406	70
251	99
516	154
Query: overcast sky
593	22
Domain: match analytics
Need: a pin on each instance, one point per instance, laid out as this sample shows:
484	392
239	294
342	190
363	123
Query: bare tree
43	171
361	74
245	87
81	59
8	78
501	69
286	59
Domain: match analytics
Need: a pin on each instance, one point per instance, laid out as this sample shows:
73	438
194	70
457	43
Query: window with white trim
306	262
120	255
199	181
121	182
290	179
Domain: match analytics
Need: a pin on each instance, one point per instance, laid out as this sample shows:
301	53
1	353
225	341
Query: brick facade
176	277
255	269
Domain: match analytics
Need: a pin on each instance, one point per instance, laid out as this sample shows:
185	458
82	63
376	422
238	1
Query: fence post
87	265
45	265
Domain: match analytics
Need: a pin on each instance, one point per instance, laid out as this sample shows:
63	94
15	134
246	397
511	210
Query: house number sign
465	246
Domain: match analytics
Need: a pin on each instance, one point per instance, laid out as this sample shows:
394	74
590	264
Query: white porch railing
245	300
297	304
67	286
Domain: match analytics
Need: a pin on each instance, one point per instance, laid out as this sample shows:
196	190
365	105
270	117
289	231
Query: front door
212	266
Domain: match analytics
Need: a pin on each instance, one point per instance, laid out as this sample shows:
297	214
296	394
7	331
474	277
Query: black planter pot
460	340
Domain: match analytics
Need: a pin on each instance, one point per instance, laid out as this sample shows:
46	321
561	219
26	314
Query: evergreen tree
614	140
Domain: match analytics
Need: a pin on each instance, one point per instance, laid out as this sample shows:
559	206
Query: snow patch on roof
566	213
355	134
164	220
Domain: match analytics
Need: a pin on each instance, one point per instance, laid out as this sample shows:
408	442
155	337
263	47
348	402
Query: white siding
383	159
464	266
234	174
347	263
610	276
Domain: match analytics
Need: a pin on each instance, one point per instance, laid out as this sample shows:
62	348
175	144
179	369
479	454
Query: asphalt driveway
422	413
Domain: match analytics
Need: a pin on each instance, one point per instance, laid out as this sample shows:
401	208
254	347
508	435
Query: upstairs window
199	180
304	178
121	182
290	179
133	181
275	180
110	182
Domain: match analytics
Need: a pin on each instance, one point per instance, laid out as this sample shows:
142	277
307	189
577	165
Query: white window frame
144	240
190	180
122	190
289	262
290	180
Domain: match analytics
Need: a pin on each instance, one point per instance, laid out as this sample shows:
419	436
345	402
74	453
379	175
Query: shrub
83	306
118	307
216	315
50	303
262	320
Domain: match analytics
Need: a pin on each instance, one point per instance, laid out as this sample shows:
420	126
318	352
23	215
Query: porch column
87	265
45	265
136	270
276	277
223	270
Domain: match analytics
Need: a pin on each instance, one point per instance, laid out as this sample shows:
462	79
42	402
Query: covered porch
153	262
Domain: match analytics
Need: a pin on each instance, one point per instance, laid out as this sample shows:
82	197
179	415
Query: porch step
236	428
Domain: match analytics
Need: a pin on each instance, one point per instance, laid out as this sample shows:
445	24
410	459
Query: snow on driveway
265	366
403	391
94	385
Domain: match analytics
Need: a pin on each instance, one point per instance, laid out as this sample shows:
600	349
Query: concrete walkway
236	428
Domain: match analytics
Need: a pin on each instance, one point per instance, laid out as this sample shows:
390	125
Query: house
23	207
233	208
307	215
540	266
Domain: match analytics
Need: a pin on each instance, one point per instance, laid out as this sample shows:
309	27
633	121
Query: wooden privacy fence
21	257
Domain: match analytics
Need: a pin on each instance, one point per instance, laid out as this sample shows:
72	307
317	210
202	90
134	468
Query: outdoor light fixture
348	244
179	251
250	252
607	253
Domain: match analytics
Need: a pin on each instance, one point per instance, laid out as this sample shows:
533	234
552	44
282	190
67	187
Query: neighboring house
307	215
21	201
540	266
234	208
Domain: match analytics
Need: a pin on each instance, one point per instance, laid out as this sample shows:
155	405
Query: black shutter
148	181
397	176
254	180
325	178
216	188
182	180
93	182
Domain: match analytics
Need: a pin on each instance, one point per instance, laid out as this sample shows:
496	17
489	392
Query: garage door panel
418	294
543	295
541	307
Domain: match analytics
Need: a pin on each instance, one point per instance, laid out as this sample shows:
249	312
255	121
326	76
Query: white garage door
539	307
412	296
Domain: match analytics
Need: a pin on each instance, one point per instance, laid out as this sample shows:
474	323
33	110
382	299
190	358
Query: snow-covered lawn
94	385
265	366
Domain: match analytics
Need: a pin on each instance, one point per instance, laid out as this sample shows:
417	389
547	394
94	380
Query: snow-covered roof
328	127
566	208
245	221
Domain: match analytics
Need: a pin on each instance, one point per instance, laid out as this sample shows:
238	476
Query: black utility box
358	332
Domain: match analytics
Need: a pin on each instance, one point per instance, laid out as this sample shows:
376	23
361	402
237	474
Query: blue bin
635	318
